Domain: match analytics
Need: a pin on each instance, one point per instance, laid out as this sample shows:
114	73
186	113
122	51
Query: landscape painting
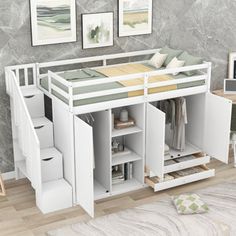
135	17
53	21
97	30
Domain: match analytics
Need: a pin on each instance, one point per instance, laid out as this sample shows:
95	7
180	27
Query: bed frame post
71	97
146	86
209	76
36	75
104	62
49	82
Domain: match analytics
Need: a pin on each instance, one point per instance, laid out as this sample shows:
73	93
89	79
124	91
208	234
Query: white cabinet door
155	140
217	127
84	165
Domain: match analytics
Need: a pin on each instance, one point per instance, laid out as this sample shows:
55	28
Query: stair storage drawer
44	130
56	195
186	162
35	104
177	180
52	164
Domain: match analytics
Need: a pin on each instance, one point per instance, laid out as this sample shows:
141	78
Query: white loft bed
76	140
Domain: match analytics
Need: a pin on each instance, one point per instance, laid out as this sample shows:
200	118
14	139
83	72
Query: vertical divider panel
196	114
136	142
102	148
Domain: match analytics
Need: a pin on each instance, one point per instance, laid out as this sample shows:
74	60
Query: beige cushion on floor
189	204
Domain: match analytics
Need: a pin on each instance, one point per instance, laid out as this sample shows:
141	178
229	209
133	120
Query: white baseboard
8	175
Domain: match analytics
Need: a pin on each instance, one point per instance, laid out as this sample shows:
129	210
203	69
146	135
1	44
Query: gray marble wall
203	27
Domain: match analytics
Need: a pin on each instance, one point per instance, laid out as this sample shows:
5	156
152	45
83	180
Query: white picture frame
232	69
53	21
134	17
97	30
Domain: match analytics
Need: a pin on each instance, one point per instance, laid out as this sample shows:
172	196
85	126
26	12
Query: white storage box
44	130
51	164
34	99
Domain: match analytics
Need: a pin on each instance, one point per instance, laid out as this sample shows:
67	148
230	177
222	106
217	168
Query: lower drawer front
199	160
206	173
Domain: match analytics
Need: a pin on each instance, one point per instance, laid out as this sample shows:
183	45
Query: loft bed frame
23	80
104	60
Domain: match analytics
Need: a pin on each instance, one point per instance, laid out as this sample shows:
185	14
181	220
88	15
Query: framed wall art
134	17
97	30
53	21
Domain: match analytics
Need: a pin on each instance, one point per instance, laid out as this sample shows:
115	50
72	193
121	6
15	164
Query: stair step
34	99
56	195
29	91
44	130
39	121
52	164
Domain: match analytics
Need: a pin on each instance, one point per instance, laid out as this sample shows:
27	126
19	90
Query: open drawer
186	162
155	183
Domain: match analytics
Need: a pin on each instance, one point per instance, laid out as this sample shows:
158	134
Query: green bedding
83	75
89	74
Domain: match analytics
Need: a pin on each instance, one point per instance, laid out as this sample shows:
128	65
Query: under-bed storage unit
207	135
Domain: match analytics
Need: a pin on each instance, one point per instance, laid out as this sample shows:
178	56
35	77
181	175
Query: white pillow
175	63
158	60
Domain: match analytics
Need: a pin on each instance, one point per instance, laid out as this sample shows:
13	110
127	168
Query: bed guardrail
144	87
25	75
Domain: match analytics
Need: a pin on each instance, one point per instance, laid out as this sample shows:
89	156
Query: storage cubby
195	105
135	112
132	141
132	177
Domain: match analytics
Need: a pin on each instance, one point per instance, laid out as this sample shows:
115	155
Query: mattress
116	70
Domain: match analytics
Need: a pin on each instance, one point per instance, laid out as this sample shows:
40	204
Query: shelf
126	131
29	91
123	153
22	167
189	150
120	159
126	186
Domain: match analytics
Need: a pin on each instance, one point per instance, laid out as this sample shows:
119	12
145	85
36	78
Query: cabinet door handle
48	159
29	96
39	127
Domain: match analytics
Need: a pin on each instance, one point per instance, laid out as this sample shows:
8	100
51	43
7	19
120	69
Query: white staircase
56	192
34	153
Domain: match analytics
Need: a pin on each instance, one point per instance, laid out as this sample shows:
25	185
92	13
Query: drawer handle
39	127
29	96
48	159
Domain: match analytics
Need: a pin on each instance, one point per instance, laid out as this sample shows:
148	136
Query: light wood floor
19	215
